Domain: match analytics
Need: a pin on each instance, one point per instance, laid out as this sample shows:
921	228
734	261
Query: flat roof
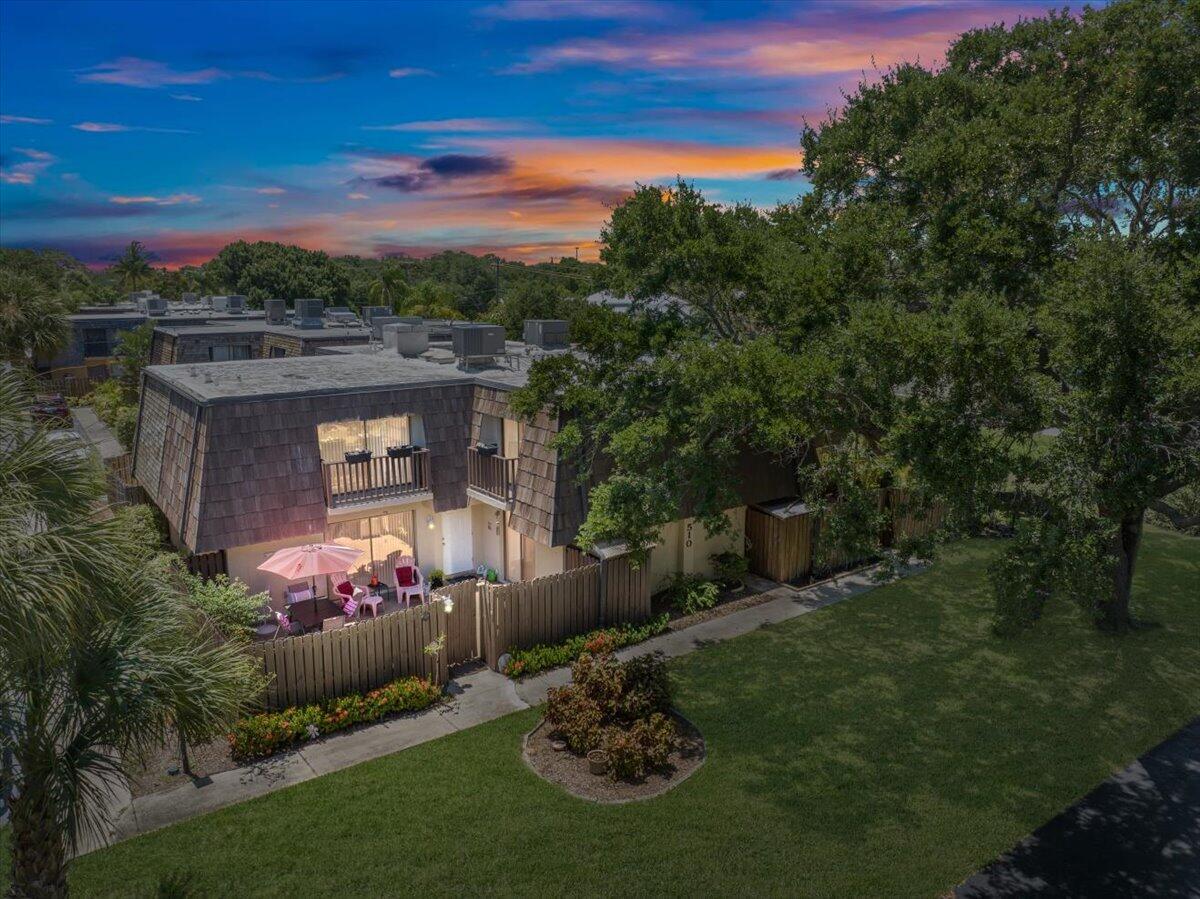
196	316
252	326
342	370
328	332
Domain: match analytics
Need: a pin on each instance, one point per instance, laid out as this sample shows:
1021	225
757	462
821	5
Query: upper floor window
337	438
95	342
226	353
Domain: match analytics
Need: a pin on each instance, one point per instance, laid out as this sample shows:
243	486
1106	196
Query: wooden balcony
494	475
379	478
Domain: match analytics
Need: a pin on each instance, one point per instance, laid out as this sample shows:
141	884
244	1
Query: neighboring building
96	330
285	341
246	457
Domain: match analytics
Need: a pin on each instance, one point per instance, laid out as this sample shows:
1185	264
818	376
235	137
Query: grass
889	745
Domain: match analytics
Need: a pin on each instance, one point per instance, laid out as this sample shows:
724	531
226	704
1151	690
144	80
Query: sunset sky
372	128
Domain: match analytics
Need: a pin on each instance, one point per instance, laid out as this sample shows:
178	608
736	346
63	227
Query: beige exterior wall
548	560
685	546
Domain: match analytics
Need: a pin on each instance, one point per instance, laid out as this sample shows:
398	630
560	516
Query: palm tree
389	288
133	267
32	322
99	656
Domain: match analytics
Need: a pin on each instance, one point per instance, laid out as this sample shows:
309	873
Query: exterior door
457	550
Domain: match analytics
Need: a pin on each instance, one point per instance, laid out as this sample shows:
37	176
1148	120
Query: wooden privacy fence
545	610
354	659
462	624
785	548
123	489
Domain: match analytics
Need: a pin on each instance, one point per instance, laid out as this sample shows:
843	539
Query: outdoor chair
346	590
350	609
294	593
409	582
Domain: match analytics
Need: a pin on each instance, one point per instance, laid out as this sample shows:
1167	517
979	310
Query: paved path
1137	834
95	433
477	696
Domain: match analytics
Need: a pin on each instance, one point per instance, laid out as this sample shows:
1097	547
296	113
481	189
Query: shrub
259	736
690	593
525	662
228	604
114	407
730	568
643	746
621	707
437	578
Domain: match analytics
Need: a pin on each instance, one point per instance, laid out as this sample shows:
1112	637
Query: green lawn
885	746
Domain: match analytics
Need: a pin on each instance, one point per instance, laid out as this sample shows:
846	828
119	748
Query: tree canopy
991	253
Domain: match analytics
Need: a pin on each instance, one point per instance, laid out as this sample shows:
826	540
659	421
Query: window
383	539
95	343
491	430
340	437
226	353
278	352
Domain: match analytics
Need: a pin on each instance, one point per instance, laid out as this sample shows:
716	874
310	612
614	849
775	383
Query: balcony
493	476
378	478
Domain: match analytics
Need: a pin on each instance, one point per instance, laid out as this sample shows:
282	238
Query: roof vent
276	311
547	333
308	314
476	342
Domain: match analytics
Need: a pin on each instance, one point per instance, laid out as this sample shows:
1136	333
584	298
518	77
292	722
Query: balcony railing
379	478
494	475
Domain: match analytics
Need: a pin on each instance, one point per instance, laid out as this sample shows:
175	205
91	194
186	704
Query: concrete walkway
475	697
1137	834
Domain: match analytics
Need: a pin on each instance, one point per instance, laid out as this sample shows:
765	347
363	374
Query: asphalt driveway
1137	834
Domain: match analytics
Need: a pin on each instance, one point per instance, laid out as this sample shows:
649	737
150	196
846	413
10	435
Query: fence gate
462	624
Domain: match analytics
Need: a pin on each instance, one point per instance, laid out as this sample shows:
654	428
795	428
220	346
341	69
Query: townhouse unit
409	449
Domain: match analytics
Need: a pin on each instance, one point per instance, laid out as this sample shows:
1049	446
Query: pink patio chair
350	609
409	582
344	590
283	622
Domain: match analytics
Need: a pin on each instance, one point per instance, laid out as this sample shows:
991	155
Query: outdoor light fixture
448	605
429	522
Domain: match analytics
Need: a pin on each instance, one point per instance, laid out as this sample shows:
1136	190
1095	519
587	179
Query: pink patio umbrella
309	561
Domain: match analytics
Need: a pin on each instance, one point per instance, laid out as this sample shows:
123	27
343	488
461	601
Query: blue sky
376	127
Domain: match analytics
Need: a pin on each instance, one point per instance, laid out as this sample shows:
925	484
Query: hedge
524	662
259	736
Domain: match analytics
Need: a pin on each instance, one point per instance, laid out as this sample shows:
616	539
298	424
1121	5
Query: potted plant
362	455
597	761
400	452
487	449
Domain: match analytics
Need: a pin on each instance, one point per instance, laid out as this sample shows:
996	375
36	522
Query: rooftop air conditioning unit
156	306
276	311
190	298
547	333
236	304
369	313
474	341
308	314
219	304
379	322
409	340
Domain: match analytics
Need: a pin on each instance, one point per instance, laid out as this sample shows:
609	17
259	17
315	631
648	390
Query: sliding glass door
383	539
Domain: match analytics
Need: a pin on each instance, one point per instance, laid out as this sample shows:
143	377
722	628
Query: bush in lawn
642	747
228	603
690	593
262	735
525	662
730	569
620	707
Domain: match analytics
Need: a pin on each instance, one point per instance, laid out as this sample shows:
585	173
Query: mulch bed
150	776
570	771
